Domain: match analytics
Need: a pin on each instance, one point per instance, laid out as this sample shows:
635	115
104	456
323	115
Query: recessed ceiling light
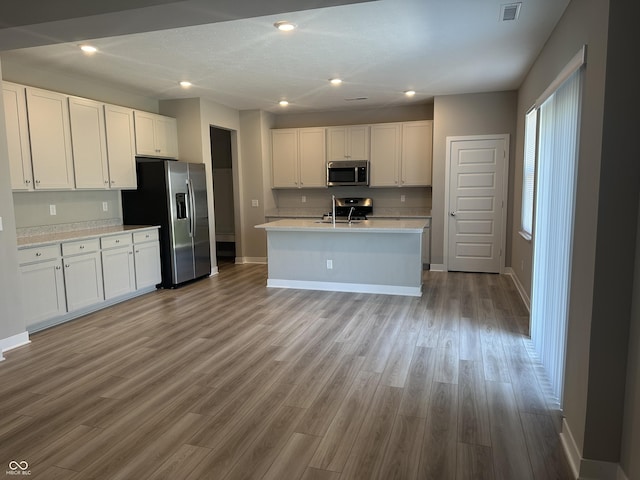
410	93
185	84
283	103
335	81
285	26
88	49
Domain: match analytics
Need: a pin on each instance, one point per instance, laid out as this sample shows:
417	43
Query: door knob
453	214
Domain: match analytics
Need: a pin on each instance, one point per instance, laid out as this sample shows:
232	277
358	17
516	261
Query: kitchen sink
337	221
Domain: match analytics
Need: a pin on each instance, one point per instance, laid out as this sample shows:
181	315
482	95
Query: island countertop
356	226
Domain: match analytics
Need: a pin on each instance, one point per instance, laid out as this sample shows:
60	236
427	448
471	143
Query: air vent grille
356	99
510	11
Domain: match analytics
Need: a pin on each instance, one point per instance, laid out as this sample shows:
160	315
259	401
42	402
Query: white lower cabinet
83	280
118	270
64	281
43	287
146	259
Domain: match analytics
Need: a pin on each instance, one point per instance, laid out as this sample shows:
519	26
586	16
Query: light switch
52	209
402	198
105	207
254	203
304	199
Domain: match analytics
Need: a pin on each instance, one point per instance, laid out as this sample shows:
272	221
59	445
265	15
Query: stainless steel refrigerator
173	195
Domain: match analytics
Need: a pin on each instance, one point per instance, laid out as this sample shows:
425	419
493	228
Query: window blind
529	170
559	120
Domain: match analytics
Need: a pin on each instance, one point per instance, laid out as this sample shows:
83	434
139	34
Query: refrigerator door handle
192	209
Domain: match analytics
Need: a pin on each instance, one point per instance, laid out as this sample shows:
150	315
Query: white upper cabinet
88	142
15	112
298	158
386	150
348	143
417	153
156	135
50	135
401	154
121	149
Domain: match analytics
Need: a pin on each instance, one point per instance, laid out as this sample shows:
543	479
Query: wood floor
226	379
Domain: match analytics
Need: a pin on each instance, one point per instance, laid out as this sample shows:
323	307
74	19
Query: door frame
505	193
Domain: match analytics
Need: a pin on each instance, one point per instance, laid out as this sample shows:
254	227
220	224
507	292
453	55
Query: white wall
11	316
472	114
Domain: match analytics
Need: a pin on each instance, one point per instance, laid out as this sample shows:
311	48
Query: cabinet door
88	143
337	143
358	142
147	264
43	291
166	135
386	147
312	157
83	280
15	112
121	146
145	133
118	272
50	136
284	158
417	153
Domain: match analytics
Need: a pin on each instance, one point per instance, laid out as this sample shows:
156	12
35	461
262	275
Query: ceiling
378	48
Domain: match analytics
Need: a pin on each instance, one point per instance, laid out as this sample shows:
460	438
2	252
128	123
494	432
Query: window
529	172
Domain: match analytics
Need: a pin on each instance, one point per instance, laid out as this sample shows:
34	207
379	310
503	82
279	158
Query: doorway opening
222	172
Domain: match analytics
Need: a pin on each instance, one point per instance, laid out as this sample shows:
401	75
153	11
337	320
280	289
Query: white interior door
476	199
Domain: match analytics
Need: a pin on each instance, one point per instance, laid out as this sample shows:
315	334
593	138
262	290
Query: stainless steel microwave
347	172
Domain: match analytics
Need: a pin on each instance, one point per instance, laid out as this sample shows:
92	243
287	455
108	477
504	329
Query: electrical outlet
254	203
52	210
402	198
329	264
105	206
304	199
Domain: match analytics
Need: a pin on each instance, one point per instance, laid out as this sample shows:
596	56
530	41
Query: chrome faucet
349	216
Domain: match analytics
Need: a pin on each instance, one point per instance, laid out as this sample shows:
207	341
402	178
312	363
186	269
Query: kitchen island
367	256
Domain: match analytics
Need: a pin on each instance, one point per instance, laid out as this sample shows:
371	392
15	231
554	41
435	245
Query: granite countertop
359	226
56	237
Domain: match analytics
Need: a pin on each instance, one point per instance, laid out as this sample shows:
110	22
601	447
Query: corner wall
11	316
472	114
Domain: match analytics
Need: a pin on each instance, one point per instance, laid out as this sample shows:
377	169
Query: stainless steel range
351	208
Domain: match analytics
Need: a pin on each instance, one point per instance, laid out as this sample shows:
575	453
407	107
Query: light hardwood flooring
226	379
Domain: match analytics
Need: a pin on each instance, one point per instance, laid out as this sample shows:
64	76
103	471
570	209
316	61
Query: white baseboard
585	469
438	267
519	287
214	271
13	341
346	287
243	260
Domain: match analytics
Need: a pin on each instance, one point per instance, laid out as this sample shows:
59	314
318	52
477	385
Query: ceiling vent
356	99
510	11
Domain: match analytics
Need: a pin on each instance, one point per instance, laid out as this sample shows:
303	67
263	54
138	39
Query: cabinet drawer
145	236
38	254
116	241
82	246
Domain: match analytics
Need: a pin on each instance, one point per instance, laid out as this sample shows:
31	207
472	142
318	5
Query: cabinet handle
27	182
130	252
146	236
113	181
57	267
117	241
81	247
137	251
66	265
37	181
106	182
38	254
